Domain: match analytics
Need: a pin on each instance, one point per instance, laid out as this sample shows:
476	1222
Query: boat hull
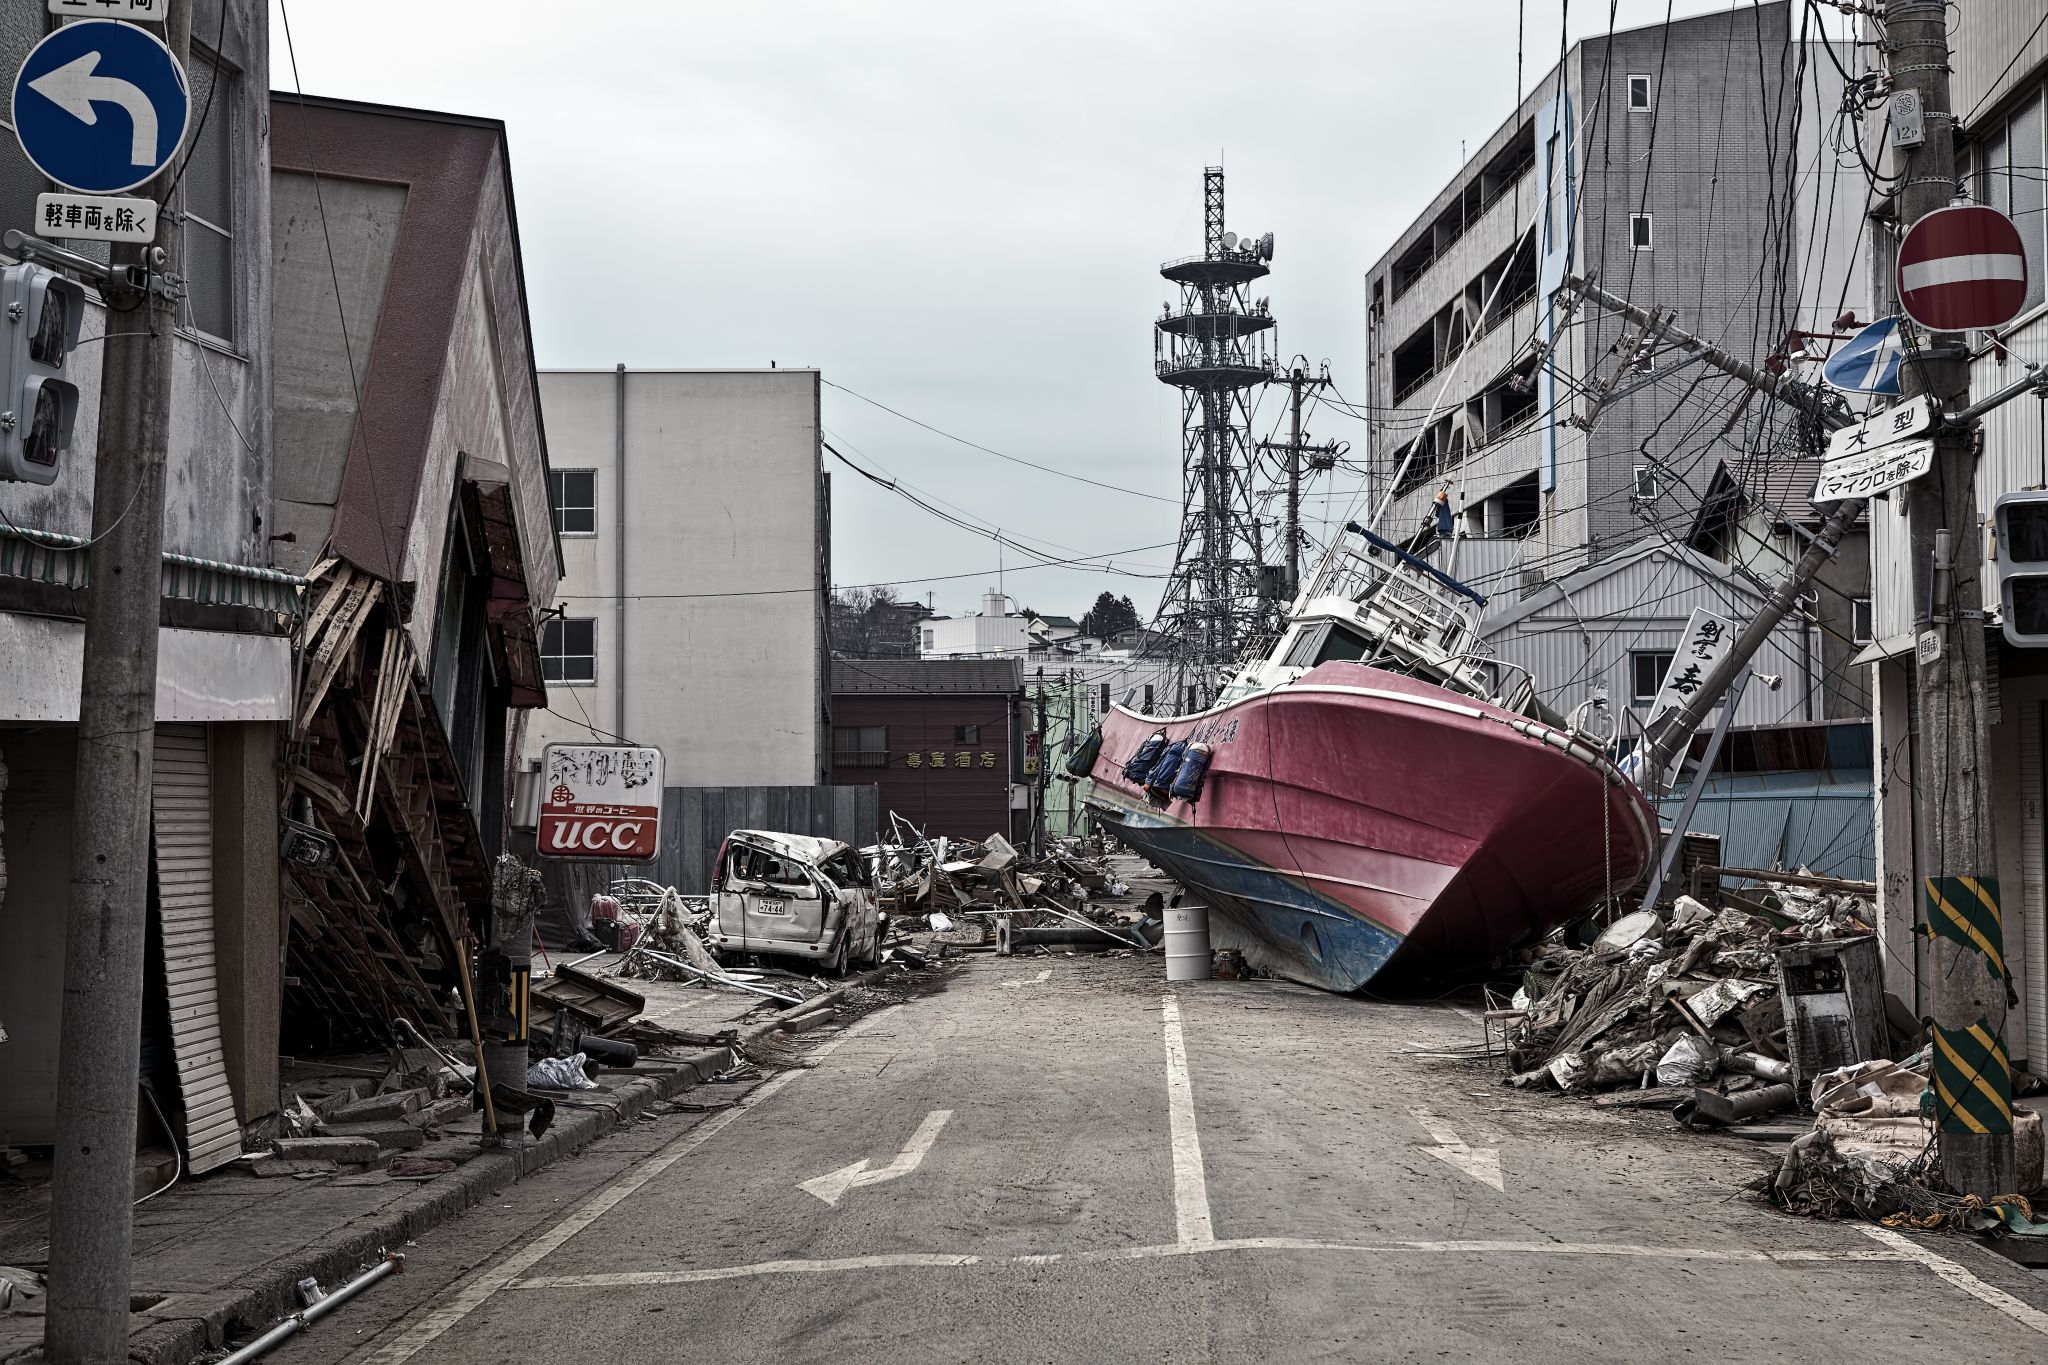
1357	823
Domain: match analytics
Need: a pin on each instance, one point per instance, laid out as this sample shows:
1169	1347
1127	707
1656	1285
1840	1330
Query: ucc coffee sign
602	802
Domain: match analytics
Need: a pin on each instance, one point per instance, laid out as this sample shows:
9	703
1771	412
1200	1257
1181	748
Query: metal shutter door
181	801
2033	896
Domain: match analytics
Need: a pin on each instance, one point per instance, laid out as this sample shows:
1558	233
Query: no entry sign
600	802
1962	267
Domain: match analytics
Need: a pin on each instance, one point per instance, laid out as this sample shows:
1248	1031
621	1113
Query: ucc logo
573	835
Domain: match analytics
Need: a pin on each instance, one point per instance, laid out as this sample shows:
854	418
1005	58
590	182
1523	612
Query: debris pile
987	894
1681	1007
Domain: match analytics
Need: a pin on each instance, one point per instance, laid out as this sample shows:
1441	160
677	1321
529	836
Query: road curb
200	1322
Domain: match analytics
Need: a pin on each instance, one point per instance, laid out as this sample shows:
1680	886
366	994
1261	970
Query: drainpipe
619	571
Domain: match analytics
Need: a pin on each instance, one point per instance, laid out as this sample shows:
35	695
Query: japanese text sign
600	802
1705	643
1859	476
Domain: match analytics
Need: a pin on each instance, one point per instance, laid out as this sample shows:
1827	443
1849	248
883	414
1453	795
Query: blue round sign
100	106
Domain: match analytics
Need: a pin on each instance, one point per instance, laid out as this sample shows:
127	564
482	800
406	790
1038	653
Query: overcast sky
957	209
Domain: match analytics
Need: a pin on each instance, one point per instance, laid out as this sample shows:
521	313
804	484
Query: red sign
1961	268
603	802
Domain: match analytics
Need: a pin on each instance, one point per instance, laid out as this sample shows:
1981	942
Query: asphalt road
1065	1160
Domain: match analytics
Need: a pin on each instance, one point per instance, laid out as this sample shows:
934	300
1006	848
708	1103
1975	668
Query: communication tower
1214	345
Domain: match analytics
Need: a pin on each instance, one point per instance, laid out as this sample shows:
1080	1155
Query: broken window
568	650
575	498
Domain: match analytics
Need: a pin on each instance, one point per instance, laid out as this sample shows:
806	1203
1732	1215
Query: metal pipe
318	1309
716	978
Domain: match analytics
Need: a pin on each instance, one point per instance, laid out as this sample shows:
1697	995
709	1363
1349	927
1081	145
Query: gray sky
956	209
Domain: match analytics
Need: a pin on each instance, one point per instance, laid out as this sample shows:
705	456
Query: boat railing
1404	594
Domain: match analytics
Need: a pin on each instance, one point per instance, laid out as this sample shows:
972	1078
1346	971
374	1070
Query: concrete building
996	632
224	668
412	480
1656	161
696	538
2000	66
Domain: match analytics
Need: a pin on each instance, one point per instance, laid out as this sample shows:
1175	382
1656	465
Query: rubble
1681	1005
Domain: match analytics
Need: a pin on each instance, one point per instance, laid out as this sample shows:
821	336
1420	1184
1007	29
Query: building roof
934	677
1780	489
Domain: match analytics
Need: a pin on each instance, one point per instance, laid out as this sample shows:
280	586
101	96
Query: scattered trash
560	1073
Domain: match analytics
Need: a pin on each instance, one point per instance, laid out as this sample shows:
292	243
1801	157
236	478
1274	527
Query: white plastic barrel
1187	943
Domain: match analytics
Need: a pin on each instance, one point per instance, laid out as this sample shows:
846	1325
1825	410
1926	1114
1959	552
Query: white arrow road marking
73	88
1481	1163
1045	975
832	1186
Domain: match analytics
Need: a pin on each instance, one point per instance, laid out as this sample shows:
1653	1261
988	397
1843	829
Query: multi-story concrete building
224	672
1674	164
695	536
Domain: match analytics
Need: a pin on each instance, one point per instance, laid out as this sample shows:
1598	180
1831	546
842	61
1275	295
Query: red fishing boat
1376	793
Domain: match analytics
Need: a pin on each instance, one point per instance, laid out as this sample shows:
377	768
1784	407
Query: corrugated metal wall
1574	645
695	820
1997	44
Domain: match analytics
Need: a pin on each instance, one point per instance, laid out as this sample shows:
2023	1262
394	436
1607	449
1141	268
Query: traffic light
2022	521
41	311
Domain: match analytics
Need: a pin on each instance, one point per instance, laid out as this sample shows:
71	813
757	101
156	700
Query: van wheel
837	966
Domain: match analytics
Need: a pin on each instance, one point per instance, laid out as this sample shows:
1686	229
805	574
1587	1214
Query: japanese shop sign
937	758
1859	476
601	802
1705	643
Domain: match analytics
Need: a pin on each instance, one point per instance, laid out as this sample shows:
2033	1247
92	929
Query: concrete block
341	1149
280	1165
392	1133
395	1105
454	1109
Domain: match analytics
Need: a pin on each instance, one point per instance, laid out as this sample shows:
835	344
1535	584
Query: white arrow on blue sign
101	107
1870	362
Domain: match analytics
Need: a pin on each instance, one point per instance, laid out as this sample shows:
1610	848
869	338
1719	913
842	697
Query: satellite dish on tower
1266	247
1230	241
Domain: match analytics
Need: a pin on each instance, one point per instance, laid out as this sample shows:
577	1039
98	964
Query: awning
1877	651
66	562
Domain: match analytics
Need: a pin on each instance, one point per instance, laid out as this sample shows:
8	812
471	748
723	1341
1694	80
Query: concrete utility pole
1952	776
93	1184
1299	381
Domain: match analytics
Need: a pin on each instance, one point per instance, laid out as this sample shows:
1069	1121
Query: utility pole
99	1057
1038	778
1298	382
1951	761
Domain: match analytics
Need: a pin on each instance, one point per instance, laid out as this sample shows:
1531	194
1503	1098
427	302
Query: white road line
1481	1163
481	1286
1948	1270
1190	1186
833	1185
929	1260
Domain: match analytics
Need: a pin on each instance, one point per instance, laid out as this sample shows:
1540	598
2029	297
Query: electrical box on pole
41	311
2022	521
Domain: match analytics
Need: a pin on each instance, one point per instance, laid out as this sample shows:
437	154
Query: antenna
1229	241
1266	247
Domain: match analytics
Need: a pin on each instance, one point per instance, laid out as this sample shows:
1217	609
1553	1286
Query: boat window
1303	649
1341	643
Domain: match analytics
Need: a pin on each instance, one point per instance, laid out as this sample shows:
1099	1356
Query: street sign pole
1958	907
92	1184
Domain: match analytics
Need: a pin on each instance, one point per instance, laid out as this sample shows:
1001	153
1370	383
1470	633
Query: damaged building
412	493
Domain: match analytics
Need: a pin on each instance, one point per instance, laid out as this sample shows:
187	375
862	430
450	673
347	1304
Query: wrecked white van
791	895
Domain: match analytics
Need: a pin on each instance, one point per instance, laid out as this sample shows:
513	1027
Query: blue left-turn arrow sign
101	106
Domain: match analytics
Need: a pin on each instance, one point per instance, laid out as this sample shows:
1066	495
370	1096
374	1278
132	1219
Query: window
1638	92
929	636
1647	668
860	746
1860	620
1104	708
1646	483
575	498
568	650
1553	177
1639	231
206	194
967	734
